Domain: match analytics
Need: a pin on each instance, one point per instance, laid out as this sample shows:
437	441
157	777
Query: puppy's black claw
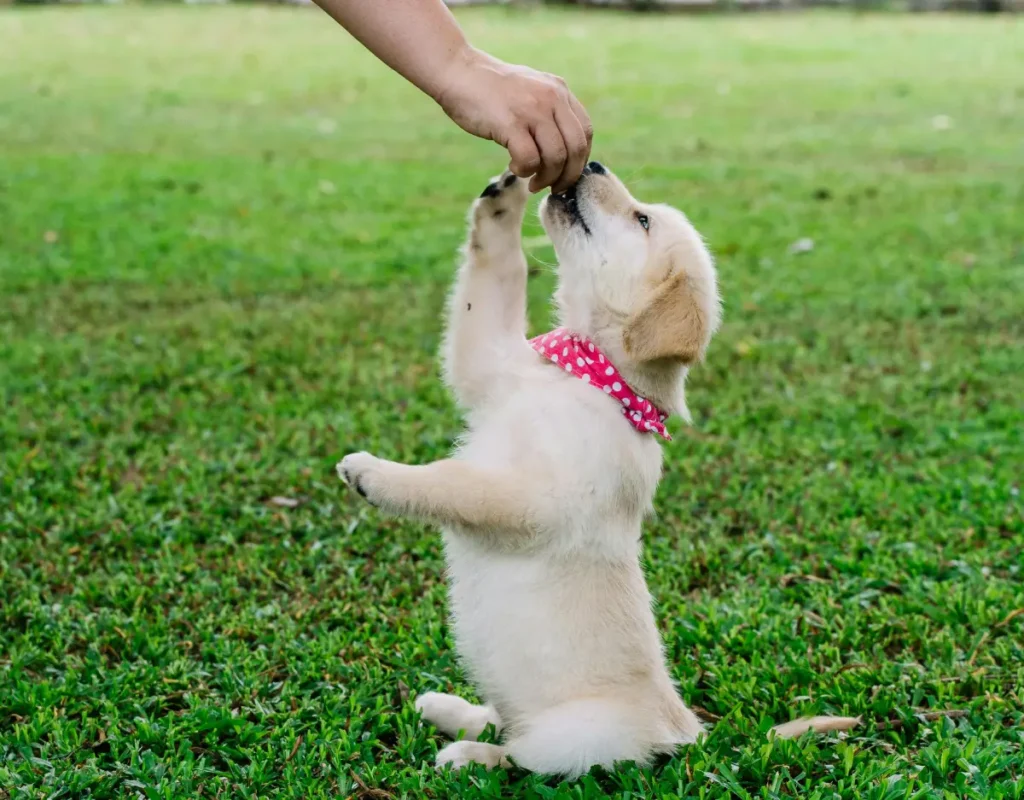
362	493
357	487
492	190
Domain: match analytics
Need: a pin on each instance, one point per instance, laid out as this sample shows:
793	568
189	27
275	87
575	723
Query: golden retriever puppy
542	503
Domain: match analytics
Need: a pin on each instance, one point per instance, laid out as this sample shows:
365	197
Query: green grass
225	240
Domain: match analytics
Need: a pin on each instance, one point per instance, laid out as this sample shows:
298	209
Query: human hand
532	114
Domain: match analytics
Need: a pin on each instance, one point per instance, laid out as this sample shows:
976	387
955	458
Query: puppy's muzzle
568	200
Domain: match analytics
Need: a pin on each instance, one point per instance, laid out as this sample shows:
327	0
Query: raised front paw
361	472
503	201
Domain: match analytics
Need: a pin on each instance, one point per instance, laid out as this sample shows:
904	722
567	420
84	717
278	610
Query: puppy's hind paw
461	754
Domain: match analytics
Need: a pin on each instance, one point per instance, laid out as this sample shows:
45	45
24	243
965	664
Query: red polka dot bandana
579	356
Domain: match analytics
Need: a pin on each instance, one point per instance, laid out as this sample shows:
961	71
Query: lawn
225	240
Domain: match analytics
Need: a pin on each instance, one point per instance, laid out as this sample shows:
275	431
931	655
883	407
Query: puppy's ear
676	322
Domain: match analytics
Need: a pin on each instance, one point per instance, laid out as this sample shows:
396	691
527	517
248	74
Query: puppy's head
635	277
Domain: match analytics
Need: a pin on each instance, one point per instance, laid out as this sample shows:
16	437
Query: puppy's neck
662	382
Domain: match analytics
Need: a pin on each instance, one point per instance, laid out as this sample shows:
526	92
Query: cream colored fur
542	503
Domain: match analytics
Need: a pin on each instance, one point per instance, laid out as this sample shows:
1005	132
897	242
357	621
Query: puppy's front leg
487	308
447	492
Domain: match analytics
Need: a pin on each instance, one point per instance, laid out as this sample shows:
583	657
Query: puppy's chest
572	431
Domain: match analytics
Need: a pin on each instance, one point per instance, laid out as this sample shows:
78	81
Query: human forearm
531	114
419	39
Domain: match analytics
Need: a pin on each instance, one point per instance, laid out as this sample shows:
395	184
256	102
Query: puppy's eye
645	223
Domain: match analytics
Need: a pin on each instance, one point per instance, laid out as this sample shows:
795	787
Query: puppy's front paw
358	471
502	202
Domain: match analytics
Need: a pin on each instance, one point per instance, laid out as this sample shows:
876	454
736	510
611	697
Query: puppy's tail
798	727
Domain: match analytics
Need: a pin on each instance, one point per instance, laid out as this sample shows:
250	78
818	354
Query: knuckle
556	156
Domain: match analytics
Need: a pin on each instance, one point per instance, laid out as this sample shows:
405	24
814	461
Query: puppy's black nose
596	167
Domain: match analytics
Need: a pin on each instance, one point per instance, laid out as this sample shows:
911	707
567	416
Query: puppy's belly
534	630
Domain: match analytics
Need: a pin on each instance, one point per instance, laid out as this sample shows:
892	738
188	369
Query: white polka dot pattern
574	359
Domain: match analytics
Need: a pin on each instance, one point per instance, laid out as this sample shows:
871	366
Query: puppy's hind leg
455	717
571	738
461	754
487	307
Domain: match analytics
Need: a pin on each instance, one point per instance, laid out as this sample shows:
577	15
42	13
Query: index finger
576	147
584	118
551	144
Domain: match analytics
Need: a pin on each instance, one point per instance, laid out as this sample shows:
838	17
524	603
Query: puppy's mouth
568	203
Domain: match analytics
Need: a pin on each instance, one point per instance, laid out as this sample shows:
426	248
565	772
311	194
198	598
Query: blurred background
226	238
989	6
